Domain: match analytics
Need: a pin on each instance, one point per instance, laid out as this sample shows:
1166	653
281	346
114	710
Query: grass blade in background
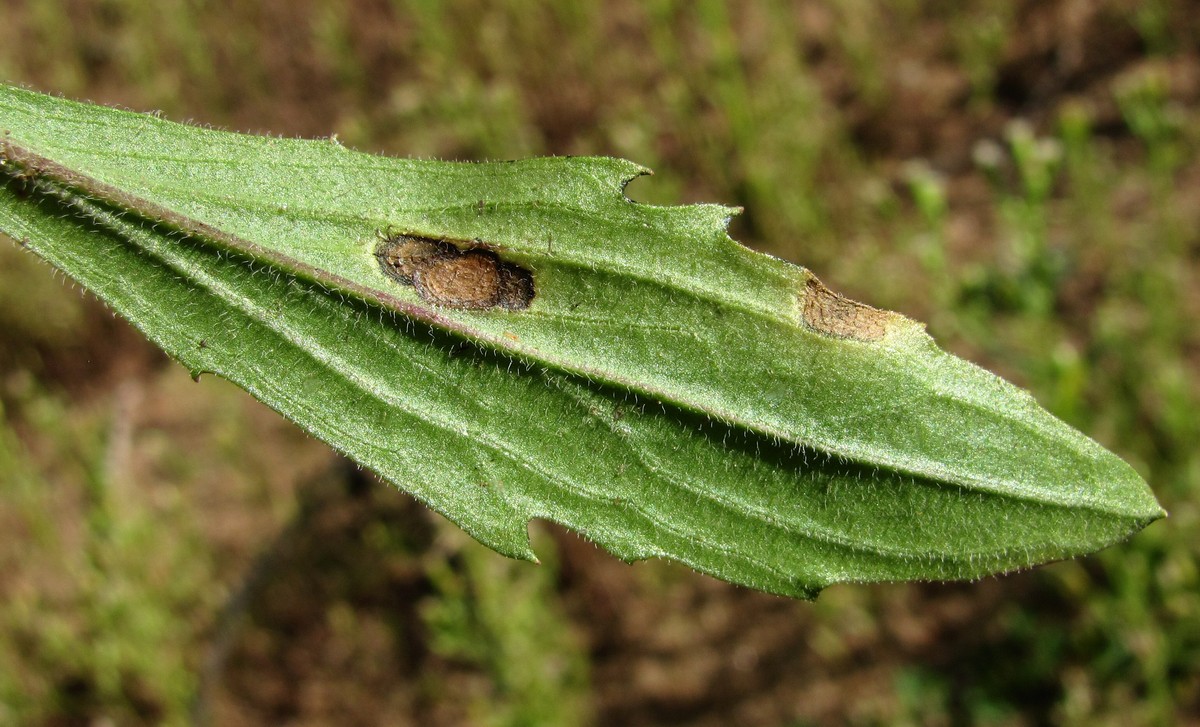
667	392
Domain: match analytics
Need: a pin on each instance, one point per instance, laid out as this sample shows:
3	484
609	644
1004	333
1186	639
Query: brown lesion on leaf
444	274
836	315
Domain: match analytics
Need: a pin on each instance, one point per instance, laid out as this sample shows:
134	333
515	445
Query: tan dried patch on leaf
836	315
470	280
444	275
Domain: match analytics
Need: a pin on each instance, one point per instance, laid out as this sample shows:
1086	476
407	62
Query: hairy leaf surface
665	391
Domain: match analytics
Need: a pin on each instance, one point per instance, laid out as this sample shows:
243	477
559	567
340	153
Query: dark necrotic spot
443	274
516	287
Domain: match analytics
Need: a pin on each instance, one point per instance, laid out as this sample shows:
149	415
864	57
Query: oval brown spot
471	280
442	274
837	315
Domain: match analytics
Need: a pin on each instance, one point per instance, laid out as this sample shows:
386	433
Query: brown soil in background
665	646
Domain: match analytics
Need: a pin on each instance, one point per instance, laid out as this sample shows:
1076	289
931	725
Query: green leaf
666	392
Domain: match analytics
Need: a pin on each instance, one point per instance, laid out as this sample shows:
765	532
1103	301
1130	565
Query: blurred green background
1023	176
